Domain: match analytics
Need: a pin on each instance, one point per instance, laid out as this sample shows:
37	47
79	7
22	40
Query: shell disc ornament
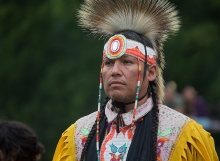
116	46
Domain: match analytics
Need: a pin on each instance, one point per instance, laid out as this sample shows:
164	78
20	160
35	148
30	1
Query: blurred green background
49	67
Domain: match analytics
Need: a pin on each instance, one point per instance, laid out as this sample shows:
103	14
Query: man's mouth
116	83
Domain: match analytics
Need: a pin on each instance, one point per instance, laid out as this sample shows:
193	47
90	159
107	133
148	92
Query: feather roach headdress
154	19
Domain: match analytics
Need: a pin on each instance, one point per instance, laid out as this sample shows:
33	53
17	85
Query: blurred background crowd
192	104
49	68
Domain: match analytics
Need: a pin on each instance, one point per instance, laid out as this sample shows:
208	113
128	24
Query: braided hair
151	91
93	130
155	109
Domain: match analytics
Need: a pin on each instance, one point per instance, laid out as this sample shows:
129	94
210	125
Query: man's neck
130	107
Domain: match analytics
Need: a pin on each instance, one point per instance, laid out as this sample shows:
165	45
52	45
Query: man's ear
151	72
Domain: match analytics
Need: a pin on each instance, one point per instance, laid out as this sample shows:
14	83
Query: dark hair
18	142
155	109
93	130
152	86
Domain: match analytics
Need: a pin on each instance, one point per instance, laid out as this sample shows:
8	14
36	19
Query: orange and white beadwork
118	45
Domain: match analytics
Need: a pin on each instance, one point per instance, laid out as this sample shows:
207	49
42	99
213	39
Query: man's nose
116	69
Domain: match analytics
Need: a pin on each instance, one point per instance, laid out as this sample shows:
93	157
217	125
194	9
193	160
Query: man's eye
127	62
107	63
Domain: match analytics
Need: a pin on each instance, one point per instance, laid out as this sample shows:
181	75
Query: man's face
120	78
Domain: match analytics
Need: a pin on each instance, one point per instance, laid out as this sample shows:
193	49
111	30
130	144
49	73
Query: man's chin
120	98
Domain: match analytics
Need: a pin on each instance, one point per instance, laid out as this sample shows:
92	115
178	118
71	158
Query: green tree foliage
49	68
192	56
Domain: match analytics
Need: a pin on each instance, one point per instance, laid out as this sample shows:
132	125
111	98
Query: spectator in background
173	99
195	104
18	142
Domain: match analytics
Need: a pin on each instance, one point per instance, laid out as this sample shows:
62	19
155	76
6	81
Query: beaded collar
141	110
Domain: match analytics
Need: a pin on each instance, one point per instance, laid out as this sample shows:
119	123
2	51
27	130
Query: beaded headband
119	45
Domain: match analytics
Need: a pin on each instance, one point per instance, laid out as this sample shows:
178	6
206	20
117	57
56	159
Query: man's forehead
126	55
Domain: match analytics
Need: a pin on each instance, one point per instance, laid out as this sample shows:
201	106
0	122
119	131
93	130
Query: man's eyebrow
126	55
106	58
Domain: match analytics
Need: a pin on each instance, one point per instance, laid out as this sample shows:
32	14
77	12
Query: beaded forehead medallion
118	45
